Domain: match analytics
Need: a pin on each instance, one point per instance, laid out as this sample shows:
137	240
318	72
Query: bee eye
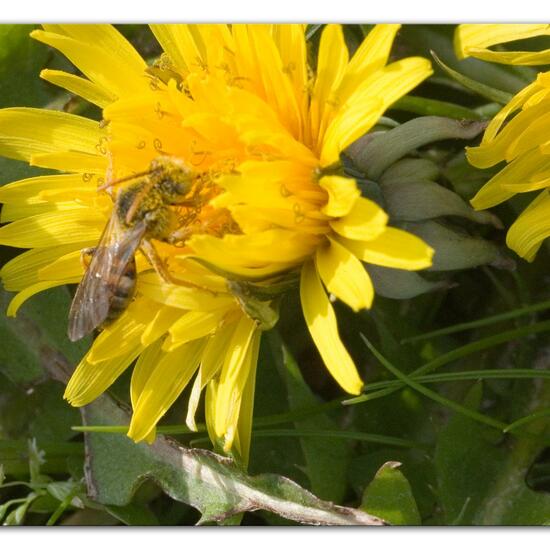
183	188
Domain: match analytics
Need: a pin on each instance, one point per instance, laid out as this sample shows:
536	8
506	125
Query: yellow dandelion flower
518	135
237	105
272	134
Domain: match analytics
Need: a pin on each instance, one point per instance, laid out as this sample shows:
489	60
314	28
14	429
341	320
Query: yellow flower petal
321	322
350	124
211	362
332	62
159	324
364	222
256	220
236	368
67	265
393	248
525	131
14	211
210	400
275	246
141	372
342	195
178	42
184	297
71	162
193	325
512	58
369	101
115	75
268	184
33	190
106	37
80	86
165	383
344	276
25	132
23	270
291	43
277	86
21	297
527	233
124	333
519	171
145	365
470	39
491	194
233	374
91	380
246	409
79	225
515	103
371	55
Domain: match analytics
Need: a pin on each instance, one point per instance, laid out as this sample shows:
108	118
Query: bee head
173	178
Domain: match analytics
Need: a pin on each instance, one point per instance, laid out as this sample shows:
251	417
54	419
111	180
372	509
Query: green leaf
492	94
133	514
373	155
389	496
18	361
433	107
214	485
326	464
21	60
482	479
36	338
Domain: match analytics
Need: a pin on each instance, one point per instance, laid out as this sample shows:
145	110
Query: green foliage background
435	440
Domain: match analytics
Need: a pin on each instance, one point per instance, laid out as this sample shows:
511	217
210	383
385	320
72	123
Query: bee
142	211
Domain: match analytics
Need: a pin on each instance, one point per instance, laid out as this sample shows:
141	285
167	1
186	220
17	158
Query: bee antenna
121	180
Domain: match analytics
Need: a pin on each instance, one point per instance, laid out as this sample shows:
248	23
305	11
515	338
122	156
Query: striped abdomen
123	292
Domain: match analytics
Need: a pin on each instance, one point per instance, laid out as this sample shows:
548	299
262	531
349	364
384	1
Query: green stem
532	308
527	419
389	386
63	505
359	436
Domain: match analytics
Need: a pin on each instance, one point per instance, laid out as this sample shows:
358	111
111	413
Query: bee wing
92	300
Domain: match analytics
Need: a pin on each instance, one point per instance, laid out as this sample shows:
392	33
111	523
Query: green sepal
423	200
455	249
374	155
399	284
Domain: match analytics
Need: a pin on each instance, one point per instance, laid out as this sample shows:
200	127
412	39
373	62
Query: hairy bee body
141	212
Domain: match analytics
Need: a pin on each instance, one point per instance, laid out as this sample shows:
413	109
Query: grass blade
457	407
460	327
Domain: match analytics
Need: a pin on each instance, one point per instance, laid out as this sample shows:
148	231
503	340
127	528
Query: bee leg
178	237
160	267
86	256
